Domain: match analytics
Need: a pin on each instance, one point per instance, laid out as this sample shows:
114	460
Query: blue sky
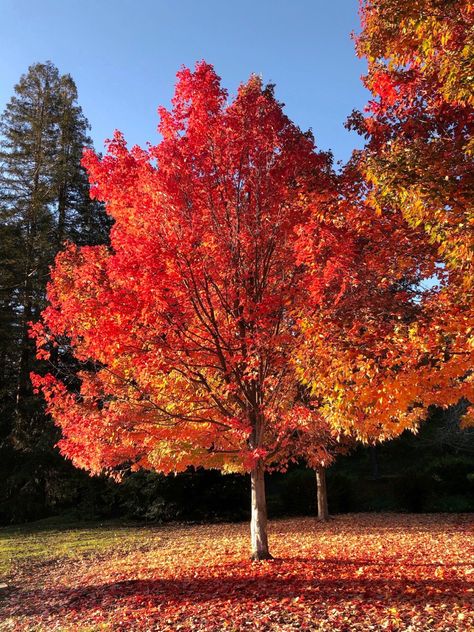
124	54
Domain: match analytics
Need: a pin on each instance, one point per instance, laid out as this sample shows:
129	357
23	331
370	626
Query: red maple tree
236	272
184	326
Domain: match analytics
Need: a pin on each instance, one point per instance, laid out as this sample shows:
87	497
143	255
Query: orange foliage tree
360	350
418	163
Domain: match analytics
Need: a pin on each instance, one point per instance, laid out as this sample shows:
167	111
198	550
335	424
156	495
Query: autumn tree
317	443
414	347
319	448
239	270
184	327
418	162
414	344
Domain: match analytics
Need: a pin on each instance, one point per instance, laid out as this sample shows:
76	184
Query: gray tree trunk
322	495
258	521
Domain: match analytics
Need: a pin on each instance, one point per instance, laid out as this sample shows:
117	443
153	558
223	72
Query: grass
50	539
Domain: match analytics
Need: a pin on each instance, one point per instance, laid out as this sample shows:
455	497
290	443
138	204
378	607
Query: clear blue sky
124	54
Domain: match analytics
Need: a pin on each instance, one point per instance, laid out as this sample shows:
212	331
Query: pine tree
44	201
29	138
78	218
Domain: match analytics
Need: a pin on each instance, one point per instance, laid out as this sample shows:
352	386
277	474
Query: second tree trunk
322	496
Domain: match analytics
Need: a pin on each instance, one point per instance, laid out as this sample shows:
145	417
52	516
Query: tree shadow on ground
279	582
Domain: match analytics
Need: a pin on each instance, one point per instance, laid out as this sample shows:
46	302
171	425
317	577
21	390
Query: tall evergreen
44	201
78	218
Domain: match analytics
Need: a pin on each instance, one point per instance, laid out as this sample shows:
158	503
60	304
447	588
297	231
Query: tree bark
258	521
34	206
322	496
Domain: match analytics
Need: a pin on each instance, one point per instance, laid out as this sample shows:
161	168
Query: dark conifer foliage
44	201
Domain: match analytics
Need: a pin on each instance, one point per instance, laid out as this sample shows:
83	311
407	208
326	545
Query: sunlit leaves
418	163
185	326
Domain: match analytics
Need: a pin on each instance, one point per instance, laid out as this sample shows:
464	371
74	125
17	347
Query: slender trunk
323	512
23	382
25	356
258	521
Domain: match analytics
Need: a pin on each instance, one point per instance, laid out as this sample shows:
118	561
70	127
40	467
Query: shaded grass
47	540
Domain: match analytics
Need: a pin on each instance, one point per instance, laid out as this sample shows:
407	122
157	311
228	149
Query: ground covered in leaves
357	572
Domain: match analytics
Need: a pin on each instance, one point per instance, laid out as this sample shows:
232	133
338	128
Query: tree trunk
23	382
258	521
322	495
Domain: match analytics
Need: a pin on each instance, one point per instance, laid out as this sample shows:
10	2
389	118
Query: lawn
357	572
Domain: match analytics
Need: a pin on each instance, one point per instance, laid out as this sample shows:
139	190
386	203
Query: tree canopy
249	298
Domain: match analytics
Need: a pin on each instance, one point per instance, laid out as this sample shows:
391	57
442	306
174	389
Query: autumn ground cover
357	572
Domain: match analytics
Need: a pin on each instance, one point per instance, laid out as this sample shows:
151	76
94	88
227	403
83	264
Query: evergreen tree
78	218
44	201
29	137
